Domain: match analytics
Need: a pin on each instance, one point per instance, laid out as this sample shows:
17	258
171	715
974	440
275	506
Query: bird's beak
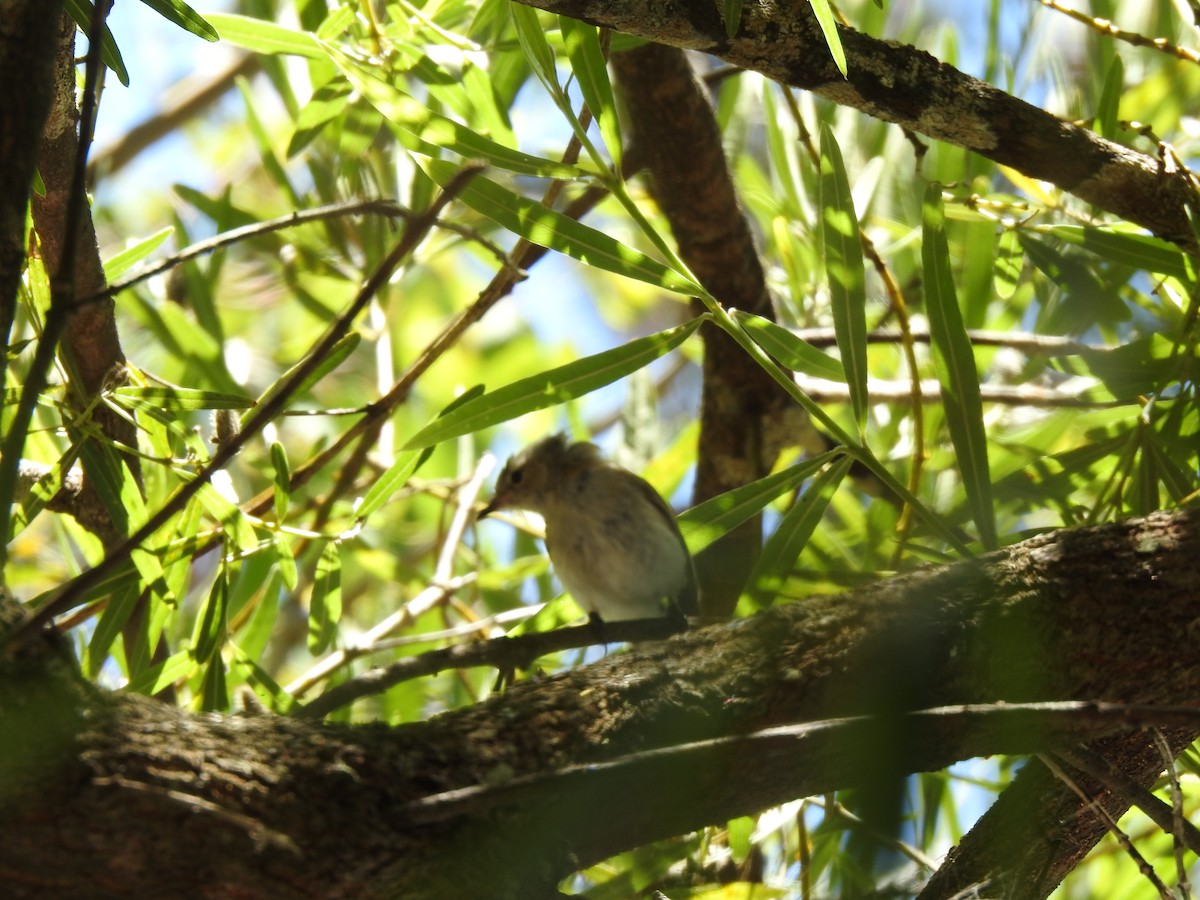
487	510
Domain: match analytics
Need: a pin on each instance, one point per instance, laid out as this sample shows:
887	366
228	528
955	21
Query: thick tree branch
898	83
1029	623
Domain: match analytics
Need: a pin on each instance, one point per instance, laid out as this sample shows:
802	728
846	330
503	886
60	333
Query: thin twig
504	653
1109	823
443	587
1177	818
1092	763
825	391
1025	342
378	206
836	810
1104	26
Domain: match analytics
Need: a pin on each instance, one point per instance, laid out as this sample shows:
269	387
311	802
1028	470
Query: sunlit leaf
844	266
955	363
325	605
791	351
552	387
548	228
779	554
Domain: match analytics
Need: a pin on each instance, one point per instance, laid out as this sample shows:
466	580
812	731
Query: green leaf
1010	260
177	667
1140	251
164	397
122	498
184	16
121	605
396	476
119	263
548	228
792	352
266	37
1108	107
733	18
81	12
847	277
325	607
283	479
214	695
706	522
552	387
533	41
781	550
954	360
1085	301
435	132
252	640
212	624
591	72
230	518
828	25
1134	369
327	104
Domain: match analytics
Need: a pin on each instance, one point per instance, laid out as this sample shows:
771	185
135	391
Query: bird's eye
516	476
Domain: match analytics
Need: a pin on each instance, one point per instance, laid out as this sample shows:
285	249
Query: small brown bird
612	539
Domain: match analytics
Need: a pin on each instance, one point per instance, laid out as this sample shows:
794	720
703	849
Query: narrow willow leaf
847	276
706	522
548	228
119	492
437	132
214	695
285	560
163	397
212	623
781	550
733	21
121	605
552	387
792	352
326	105
1010	259
230	518
184	16
1108	107
591	72
252	640
389	482
177	667
325	607
265	37
283	479
406	464
955	363
1141	251
533	41
120	263
828	25
81	12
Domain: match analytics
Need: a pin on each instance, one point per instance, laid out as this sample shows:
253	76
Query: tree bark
111	794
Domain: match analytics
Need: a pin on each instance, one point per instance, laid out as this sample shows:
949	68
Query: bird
612	540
